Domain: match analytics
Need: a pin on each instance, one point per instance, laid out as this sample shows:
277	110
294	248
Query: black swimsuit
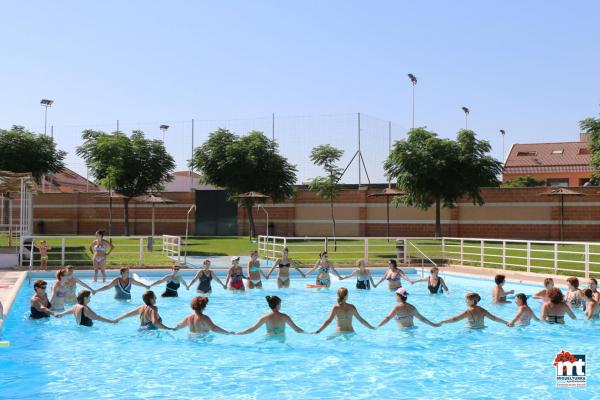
85	320
435	289
37	314
171	290
204	282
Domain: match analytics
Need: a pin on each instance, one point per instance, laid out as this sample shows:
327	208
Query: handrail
423	254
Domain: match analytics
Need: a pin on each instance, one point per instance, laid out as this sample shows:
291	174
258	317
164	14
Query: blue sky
530	68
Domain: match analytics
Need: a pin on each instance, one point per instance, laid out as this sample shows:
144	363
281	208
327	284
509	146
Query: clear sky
531	68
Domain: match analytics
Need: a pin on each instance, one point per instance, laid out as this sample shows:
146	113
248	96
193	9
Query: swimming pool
57	359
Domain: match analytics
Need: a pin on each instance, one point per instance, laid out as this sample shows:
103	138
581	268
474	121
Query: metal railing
171	247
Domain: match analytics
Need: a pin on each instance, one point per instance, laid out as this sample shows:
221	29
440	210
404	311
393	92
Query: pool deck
10	283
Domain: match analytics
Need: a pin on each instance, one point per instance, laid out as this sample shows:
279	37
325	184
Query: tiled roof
68	181
536	155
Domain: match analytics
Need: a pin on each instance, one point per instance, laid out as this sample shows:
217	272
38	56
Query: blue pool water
56	359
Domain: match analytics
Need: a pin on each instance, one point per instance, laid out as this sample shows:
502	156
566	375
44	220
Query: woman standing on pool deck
174	281
284	263
43	248
554	310
475	314
498	293
525	314
403	313
343	312
198	322
435	284
71	282
592	307
83	313
204	277
364	280
254	271
122	285
59	291
149	317
99	254
323	265
40	306
393	276
235	275
543	294
275	321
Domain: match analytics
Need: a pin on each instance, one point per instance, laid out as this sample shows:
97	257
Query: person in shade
323	265
275	321
150	319
525	314
574	296
100	249
474	314
204	277
343	312
554	309
83	313
173	280
435	283
197	322
592	307
364	280
122	285
543	294
405	313
235	275
254	271
71	282
593	285
40	306
498	292
284	264
59	291
394	275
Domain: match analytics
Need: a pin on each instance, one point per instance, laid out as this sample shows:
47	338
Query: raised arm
456	318
107	286
158	282
350	275
129	314
254	327
330	318
387	318
85	285
361	319
291	323
540	295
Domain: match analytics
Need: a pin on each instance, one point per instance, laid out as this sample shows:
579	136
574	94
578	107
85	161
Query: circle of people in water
555	304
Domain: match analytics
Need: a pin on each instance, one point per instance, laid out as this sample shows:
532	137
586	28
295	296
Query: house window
584	151
560	182
526	153
558	151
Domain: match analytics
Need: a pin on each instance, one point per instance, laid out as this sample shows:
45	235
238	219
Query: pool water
57	359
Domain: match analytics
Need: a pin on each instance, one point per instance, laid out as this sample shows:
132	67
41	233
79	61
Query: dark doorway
215	215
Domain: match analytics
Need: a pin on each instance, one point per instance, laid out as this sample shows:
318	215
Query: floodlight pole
359	153
503	134
192	168
187	221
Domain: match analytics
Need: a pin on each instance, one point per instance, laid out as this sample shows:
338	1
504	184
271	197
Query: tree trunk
126	209
438	223
250	219
333	221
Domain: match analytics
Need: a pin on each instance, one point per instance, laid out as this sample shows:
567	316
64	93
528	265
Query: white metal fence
171	246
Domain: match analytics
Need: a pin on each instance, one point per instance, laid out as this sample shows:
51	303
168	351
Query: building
67	181
559	164
185	181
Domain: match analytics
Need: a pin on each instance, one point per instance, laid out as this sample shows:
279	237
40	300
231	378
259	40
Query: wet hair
273	301
82	295
594	281
121	270
100	233
39	283
342	294
573	281
547	281
206	262
499	279
60	274
147	296
522	297
199	303
434	269
555	296
473	297
394	263
321	254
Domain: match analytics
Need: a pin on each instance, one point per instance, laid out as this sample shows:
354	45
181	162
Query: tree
24	151
592	127
327	187
132	166
523	181
241	164
436	171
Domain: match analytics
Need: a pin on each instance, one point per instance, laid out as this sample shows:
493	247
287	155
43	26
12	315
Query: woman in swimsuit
435	284
122	285
71	282
475	314
284	263
364	280
593	284
150	319
43	248
323	265
554	310
174	281
275	321
83	313
543	294
255	271
198	322
592	307
40	306
393	276
343	313
403	313
204	277
99	254
235	275
525	314
498	293
574	297
59	291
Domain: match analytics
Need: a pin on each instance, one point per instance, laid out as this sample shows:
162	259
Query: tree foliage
24	151
523	181
242	164
592	126
132	166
